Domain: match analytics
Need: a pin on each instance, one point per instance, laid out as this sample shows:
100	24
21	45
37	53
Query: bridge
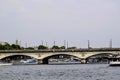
43	55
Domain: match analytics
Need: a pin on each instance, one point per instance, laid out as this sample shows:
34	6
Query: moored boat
114	63
65	62
26	62
5	64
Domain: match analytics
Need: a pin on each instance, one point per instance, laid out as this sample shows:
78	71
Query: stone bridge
44	55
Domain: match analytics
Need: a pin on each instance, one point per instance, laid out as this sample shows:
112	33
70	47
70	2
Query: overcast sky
76	21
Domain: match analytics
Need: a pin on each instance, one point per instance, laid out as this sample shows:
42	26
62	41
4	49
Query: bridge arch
103	57
97	54
46	58
12	54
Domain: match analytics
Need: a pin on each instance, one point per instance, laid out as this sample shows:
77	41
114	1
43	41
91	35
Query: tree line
7	46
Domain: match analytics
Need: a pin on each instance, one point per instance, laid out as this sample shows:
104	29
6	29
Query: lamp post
88	44
42	42
65	44
46	44
54	43
110	43
26	44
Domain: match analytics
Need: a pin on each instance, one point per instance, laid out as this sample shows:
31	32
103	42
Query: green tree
62	47
6	46
15	47
1	47
42	47
30	48
72	47
55	47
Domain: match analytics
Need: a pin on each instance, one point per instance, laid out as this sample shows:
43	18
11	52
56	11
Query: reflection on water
60	72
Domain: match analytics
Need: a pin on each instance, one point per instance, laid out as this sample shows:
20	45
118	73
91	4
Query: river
60	72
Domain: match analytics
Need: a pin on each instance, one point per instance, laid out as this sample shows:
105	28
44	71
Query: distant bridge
44	55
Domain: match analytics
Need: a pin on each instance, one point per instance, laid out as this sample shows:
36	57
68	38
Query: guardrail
61	50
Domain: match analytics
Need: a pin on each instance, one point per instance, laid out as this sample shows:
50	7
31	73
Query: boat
26	62
5	64
114	63
65	62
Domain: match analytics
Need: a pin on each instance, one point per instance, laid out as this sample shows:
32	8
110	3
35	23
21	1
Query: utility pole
26	44
65	44
88	44
110	43
16	42
46	44
54	43
42	42
20	43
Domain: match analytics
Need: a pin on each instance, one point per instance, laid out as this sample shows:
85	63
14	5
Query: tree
42	47
62	47
1	47
55	47
72	47
30	48
14	46
6	46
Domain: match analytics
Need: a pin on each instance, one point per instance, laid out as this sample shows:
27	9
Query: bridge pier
40	61
83	61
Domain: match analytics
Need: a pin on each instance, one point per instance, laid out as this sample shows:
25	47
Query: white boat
5	64
66	62
26	62
114	63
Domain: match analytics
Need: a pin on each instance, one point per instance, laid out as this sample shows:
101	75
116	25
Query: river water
60	72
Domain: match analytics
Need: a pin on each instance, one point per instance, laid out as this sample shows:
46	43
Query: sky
74	21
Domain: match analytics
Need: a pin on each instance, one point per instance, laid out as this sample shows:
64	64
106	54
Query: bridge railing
61	50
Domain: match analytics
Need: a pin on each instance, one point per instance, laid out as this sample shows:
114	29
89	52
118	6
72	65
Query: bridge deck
60	50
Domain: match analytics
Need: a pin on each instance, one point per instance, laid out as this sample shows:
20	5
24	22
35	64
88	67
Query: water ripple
60	72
